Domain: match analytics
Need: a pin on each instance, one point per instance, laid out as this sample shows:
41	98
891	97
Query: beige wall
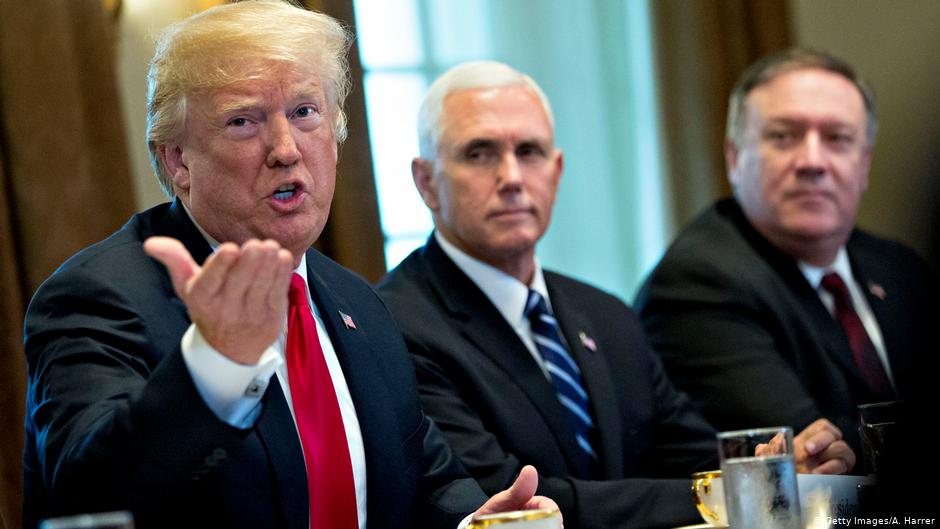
896	46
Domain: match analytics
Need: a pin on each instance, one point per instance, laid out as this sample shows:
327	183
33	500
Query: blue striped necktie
563	371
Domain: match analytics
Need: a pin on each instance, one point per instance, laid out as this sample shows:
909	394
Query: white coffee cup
531	519
709	496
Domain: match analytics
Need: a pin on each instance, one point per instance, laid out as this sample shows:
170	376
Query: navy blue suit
480	384
741	330
114	421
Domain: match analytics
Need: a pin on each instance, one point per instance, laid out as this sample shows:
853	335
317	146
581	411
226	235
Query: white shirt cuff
232	391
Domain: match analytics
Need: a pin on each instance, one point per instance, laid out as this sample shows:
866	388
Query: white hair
467	76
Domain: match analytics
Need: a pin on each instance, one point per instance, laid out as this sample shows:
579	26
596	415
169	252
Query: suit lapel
876	285
486	329
811	311
276	430
579	332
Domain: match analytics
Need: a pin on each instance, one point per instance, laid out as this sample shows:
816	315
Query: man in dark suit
518	365
744	307
175	395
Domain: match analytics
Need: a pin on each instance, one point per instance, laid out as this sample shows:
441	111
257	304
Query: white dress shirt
841	266
233	391
505	292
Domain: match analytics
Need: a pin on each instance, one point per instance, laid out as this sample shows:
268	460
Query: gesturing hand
519	496
237	298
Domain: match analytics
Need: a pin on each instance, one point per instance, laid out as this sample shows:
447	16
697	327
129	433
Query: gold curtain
64	170
702	46
353	235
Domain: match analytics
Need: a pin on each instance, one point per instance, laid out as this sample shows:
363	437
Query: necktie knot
834	284
297	294
535	305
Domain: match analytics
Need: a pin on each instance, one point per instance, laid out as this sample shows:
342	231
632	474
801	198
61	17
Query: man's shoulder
570	287
874	254
410	279
716	243
118	257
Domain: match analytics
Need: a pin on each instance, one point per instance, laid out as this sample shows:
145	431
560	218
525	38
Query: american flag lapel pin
587	341
877	290
347	320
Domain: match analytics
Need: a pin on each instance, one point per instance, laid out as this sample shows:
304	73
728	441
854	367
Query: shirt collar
840	265
505	292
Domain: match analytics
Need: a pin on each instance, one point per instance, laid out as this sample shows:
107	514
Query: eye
238	122
305	111
528	151
479	154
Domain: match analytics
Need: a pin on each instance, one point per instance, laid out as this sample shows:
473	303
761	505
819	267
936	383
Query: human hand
519	496
237	298
819	449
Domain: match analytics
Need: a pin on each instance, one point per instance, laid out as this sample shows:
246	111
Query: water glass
759	475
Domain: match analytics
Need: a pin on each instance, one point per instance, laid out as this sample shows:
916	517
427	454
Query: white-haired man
216	389
519	365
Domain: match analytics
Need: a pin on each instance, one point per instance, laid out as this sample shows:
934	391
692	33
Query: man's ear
866	159
422	172
172	158
731	161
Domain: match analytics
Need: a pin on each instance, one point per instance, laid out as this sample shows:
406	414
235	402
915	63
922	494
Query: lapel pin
587	341
877	290
347	320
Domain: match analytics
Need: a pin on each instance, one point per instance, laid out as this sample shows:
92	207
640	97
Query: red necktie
326	452
866	358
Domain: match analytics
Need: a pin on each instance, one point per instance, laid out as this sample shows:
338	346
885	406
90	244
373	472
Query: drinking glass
759	477
101	520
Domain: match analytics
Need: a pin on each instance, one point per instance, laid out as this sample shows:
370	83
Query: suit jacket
742	331
484	390
114	421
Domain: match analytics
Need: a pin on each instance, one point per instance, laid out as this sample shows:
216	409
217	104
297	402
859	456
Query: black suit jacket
741	330
114	421
499	412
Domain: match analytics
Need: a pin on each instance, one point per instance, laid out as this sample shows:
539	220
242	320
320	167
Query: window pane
398	249
393	100
459	31
388	33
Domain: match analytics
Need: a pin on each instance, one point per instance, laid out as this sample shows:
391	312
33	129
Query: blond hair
238	42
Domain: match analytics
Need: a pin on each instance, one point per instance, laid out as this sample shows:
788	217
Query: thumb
516	497
175	257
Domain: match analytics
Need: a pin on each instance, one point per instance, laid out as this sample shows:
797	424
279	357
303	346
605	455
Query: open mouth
286	192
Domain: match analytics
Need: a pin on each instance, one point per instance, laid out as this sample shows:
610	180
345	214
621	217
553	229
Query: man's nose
810	156
283	148
510	175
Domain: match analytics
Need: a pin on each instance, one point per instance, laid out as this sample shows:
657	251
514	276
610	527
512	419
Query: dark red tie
866	358
326	452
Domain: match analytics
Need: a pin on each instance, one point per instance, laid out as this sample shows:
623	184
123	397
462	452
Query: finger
262	281
514	498
176	258
245	278
816	437
833	466
284	268
210	283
